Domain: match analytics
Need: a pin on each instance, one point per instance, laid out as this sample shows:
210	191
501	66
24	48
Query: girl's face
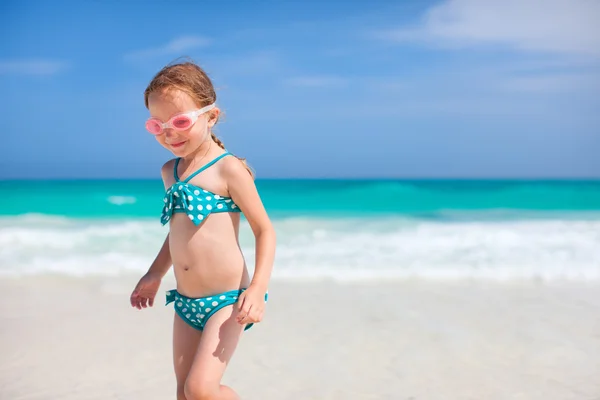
163	105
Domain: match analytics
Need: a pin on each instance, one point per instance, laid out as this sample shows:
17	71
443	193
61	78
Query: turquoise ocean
339	229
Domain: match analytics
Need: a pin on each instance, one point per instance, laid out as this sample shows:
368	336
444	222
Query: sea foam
314	248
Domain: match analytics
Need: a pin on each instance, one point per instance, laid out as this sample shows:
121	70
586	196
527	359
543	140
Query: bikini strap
175	169
205	166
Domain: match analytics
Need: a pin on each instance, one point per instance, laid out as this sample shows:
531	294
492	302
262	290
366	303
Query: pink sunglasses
179	122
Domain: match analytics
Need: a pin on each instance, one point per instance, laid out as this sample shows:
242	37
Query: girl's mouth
175	145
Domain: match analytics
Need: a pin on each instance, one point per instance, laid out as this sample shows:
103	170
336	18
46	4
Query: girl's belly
207	259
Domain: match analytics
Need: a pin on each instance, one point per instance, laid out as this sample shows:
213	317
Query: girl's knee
181	393
197	389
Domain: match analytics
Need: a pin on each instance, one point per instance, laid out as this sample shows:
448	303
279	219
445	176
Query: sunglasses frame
191	115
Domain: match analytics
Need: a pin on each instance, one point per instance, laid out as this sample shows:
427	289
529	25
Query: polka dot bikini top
196	202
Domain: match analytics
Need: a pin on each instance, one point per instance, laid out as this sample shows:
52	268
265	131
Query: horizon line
332	178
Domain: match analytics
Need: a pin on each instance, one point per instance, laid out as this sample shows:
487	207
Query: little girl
206	190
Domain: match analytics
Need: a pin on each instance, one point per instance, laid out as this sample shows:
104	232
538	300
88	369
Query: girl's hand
251	305
145	291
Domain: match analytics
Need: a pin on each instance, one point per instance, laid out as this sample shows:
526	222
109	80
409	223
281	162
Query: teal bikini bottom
196	311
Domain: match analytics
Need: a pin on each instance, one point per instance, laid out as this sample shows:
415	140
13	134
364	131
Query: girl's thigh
219	340
185	345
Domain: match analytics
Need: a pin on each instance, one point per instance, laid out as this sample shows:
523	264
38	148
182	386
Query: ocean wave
339	249
120	200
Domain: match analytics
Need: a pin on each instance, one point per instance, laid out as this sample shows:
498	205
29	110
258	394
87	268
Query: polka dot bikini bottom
196	311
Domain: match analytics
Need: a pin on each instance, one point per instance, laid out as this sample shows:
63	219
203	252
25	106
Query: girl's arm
161	264
144	292
243	192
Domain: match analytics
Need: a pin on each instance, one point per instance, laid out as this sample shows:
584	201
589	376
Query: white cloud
553	26
31	67
552	83
174	47
247	64
318	81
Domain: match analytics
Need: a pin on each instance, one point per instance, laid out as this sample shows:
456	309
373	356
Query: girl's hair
193	80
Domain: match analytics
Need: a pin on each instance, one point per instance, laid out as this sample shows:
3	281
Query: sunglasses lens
182	123
153	127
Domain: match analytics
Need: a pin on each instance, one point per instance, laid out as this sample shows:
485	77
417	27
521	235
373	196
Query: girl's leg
219	340
185	343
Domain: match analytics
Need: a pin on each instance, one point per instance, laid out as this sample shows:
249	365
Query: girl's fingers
257	315
133	297
253	316
243	315
246	309
240	302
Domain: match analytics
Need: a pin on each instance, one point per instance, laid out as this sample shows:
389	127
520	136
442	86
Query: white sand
64	339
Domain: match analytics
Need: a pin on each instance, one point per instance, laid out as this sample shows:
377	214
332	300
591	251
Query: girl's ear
213	116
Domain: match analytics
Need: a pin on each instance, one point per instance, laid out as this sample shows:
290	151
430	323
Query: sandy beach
68	338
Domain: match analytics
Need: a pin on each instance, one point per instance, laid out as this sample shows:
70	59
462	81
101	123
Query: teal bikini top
196	202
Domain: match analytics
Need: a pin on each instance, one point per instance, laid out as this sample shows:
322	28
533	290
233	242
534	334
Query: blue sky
461	88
